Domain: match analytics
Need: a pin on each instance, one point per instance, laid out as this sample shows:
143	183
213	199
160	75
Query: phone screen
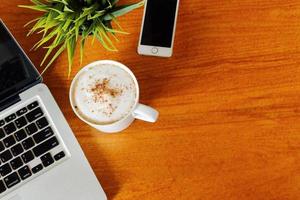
159	23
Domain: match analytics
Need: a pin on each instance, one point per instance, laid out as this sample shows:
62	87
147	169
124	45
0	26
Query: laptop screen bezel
32	80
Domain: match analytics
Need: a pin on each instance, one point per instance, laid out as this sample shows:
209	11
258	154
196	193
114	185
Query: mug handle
145	113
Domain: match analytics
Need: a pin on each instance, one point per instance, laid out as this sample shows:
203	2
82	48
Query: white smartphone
158	28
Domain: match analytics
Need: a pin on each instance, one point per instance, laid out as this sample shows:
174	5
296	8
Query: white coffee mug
139	111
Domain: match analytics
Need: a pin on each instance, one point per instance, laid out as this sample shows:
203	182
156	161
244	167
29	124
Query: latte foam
104	94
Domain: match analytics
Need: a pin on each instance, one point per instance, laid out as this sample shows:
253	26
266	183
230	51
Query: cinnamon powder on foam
101	89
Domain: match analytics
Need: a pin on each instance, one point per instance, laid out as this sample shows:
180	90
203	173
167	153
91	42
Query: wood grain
229	102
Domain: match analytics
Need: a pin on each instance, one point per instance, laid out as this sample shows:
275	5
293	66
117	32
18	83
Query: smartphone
158	28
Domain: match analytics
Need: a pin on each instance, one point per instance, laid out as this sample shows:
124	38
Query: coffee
104	93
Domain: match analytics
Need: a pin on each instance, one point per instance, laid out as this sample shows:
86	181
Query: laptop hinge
8	102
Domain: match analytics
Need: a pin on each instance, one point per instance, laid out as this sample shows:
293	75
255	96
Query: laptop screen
17	73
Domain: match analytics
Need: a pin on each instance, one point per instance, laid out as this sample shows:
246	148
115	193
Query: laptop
40	158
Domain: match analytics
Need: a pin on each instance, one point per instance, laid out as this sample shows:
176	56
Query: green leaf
60	1
114	19
86	12
30	22
42	8
67	9
50	23
57	10
109	4
60	50
100	39
71	46
60	39
67	25
104	39
37	2
121	10
84	35
38	25
82	43
114	30
114	2
97	15
47	38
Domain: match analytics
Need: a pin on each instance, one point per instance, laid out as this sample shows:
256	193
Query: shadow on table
106	176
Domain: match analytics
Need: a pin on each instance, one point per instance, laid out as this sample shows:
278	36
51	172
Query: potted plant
67	23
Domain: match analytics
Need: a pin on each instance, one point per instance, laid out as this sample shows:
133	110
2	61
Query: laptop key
5	156
47	159
5	169
10	118
27	157
24	172
16	163
45	146
32	105
9	141
2	122
35	114
59	156
42	123
9	128
17	150
20	135
20	122
11	180
21	111
2	186
28	143
37	168
43	135
31	129
2	147
2	134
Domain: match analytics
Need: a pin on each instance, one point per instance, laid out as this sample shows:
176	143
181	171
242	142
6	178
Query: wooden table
229	102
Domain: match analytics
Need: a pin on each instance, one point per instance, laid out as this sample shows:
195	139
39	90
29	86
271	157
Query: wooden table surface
229	103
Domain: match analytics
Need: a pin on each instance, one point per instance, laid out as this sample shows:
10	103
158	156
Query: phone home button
154	50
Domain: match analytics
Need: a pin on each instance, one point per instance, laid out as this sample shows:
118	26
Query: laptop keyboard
27	143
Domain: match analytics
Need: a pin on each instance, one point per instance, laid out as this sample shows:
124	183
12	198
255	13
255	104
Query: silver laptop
40	159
